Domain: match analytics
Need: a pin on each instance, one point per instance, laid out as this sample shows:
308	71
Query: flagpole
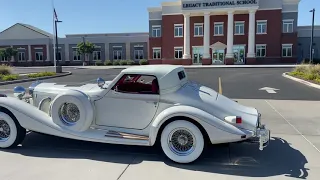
53	30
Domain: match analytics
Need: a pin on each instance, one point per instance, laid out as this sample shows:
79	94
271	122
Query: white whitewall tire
182	141
11	133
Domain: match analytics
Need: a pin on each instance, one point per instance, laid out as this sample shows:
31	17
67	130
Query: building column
251	36
229	55
29	53
186	37
48	52
128	50
206	37
67	53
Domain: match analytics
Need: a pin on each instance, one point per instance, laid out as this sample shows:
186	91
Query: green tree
3	53
8	52
11	52
85	49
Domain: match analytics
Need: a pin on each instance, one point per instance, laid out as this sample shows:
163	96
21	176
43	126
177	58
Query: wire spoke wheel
181	141
4	130
69	113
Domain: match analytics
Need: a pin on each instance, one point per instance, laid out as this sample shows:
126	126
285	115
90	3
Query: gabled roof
37	30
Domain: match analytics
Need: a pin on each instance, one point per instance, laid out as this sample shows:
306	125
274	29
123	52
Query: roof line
33	29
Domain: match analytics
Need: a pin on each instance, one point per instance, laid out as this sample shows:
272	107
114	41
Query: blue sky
100	16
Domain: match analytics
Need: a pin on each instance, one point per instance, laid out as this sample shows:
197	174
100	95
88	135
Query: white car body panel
135	119
117	110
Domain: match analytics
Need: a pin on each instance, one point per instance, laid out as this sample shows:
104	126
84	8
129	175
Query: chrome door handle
151	102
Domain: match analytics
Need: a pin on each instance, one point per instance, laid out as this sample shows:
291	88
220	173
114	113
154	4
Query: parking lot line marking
292	126
220	87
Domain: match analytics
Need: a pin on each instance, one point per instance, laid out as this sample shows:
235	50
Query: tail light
238	120
233	119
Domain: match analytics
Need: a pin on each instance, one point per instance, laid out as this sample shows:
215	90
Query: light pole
58	68
84	54
312	31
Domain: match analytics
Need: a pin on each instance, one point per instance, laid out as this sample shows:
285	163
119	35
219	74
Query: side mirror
19	92
100	82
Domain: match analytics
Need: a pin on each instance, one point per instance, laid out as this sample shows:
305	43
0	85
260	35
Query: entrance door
239	52
197	53
218	57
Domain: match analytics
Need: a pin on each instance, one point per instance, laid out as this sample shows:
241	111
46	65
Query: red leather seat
155	86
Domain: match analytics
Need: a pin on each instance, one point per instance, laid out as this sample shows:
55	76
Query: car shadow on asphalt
238	159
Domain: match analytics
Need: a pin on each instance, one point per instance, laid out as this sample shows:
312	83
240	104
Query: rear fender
217	130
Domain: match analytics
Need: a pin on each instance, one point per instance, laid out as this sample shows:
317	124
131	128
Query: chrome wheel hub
181	142
4	130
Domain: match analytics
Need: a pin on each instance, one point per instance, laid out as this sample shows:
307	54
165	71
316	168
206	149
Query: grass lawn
6	74
308	72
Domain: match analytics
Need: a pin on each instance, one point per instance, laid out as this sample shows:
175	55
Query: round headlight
19	92
32	86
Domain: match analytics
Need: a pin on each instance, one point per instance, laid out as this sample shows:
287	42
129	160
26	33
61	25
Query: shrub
99	63
123	62
143	62
41	74
116	62
307	72
5	70
315	69
107	63
9	77
130	62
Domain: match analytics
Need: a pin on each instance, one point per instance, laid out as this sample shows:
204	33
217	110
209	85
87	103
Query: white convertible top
166	74
157	70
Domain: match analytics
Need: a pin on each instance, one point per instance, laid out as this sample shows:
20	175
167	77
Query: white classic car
143	105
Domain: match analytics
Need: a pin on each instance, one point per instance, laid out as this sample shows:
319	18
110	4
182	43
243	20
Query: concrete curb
195	66
301	81
34	79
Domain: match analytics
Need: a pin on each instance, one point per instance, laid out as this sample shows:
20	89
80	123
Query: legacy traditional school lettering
219	3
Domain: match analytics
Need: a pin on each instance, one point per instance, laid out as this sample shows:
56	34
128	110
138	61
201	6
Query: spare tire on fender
72	110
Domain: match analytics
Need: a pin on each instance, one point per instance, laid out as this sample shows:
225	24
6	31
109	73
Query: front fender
28	116
217	130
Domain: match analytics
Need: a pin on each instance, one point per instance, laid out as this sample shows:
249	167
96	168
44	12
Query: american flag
55	13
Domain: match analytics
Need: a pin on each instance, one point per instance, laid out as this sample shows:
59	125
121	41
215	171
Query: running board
125	135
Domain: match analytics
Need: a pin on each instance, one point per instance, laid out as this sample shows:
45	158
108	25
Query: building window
261	50
76	56
287	26
39	56
117	54
4	59
156	31
21	56
96	55
178	30
178	52
156	53
239	28
198	29
59	56
261	27
218	28
287	50
138	54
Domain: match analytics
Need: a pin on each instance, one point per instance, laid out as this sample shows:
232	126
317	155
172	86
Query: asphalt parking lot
291	114
241	83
